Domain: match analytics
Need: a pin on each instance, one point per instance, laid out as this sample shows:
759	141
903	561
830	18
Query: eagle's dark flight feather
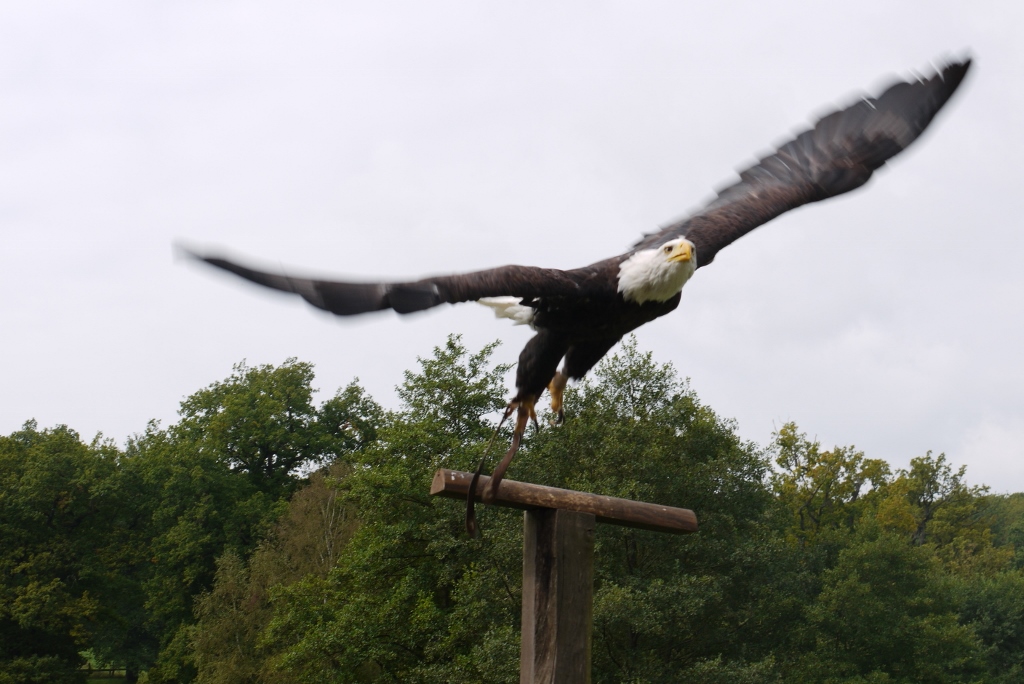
838	155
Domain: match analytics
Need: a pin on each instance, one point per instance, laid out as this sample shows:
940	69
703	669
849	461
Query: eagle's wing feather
838	155
349	298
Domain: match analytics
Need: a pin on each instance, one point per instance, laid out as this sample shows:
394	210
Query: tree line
265	537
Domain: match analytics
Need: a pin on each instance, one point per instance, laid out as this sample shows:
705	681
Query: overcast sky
405	139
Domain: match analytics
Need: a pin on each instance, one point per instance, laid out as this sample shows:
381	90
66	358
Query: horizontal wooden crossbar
608	509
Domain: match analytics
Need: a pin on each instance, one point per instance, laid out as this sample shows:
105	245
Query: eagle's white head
657	274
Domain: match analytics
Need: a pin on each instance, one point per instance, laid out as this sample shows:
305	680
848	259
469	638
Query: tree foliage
56	579
265	538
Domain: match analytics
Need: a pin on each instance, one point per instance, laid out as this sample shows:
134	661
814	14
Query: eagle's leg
524	408
556	388
525	412
538	363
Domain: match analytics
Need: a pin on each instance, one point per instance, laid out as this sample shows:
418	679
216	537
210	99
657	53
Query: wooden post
558	565
558	597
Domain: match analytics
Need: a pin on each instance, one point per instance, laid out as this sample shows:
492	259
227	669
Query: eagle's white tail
510	308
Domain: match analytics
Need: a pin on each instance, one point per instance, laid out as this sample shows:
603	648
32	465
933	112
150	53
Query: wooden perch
558	565
607	509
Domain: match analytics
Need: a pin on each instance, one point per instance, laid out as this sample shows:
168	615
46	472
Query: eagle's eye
668	249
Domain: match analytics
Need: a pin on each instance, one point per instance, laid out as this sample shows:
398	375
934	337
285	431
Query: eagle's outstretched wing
350	298
838	155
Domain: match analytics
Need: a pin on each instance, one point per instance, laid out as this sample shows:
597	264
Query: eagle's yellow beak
681	252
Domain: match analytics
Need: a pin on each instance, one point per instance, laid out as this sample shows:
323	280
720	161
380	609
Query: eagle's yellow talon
556	388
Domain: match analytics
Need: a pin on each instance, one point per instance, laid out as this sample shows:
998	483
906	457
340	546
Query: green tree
993	607
411	598
825	491
1007	515
227	640
886	613
260	421
672	608
58	578
201	552
953	517
409	591
217	481
196	508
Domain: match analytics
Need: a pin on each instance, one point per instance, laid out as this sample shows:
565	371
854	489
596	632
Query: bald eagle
580	314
